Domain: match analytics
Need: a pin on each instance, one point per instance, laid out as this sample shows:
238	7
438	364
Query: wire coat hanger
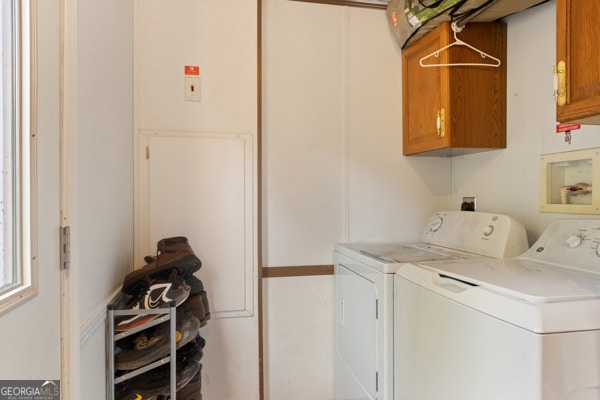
458	42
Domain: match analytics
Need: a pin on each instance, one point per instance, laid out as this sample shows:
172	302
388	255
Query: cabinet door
578	42
424	91
458	109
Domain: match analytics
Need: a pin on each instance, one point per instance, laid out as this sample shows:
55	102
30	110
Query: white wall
507	181
200	178
99	101
104	152
333	171
217	36
102	172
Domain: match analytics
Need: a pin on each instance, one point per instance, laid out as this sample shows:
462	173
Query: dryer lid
387	257
409	252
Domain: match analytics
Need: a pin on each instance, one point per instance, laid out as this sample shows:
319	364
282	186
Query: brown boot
206	304
173	253
193	390
175	244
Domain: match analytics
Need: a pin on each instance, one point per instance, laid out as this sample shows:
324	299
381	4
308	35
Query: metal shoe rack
165	314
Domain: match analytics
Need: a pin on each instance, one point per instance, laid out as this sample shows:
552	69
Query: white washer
364	280
526	328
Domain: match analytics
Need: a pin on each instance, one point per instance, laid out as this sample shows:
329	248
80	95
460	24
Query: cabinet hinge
377	381
560	85
65	247
147	152
440	122
377	309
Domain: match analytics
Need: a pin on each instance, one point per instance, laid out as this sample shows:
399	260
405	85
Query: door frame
70	333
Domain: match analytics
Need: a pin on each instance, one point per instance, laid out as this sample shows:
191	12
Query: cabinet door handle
560	86
440	121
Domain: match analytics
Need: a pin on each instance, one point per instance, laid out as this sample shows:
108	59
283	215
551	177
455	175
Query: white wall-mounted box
567	180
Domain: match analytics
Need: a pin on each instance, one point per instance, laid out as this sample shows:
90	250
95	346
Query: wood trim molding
300	270
259	195
348	3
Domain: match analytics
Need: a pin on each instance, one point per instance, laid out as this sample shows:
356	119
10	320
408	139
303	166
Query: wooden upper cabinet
454	110
578	61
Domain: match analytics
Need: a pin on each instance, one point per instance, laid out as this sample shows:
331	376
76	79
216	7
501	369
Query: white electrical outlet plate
192	88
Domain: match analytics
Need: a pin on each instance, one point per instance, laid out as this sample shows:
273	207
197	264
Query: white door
201	186
30	333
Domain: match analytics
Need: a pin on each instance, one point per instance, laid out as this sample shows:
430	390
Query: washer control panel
491	235
573	243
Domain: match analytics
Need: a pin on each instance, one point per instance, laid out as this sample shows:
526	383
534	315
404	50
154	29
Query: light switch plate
192	88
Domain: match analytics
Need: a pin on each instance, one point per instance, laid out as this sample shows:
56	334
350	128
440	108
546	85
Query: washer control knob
436	224
574	241
488	230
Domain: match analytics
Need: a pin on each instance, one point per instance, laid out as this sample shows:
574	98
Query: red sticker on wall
192	70
567	127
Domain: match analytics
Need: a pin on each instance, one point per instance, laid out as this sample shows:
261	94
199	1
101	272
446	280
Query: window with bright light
17	281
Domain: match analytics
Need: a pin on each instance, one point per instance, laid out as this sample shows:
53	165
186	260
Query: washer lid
533	281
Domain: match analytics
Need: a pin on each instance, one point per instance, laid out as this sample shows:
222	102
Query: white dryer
526	328
364	287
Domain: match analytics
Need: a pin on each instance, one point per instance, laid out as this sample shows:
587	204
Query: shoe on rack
156	382
204	297
196	285
193	390
153	343
173	253
158	295
200	341
172	245
132	395
196	306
